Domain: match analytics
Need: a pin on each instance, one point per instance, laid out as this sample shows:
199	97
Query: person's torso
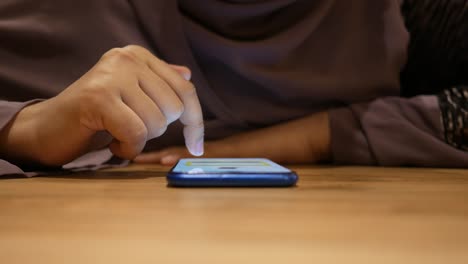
254	63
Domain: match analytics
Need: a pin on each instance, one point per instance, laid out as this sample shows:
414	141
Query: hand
305	140
127	98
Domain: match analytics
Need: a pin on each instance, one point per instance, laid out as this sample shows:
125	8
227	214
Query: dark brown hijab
270	61
255	63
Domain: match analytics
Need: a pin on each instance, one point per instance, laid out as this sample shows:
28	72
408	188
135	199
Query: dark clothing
438	61
254	63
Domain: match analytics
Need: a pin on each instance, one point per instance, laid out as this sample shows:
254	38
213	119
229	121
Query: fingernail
187	75
199	147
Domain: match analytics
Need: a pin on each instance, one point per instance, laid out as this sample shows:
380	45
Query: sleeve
426	130
423	130
90	161
8	111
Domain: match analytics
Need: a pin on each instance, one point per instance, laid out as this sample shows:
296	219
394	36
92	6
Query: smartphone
230	172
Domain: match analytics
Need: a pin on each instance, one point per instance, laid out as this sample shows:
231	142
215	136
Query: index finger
192	116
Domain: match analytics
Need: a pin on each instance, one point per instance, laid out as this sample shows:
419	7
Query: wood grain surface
334	215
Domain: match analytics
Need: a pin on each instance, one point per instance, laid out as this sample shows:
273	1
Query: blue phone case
230	173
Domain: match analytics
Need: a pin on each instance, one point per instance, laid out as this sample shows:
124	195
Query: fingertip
124	151
143	159
187	75
182	70
194	139
169	160
199	149
114	147
196	149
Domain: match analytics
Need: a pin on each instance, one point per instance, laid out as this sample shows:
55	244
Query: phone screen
227	172
231	165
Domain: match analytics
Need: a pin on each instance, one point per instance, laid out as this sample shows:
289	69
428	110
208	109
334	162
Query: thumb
182	70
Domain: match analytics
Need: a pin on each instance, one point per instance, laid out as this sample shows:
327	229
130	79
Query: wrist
18	139
322	141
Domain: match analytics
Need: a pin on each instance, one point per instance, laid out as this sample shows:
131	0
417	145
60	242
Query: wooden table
334	215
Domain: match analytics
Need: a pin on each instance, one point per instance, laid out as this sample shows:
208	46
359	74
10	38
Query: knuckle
134	48
137	134
161	131
159	127
186	88
178	109
111	53
121	55
139	50
175	111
